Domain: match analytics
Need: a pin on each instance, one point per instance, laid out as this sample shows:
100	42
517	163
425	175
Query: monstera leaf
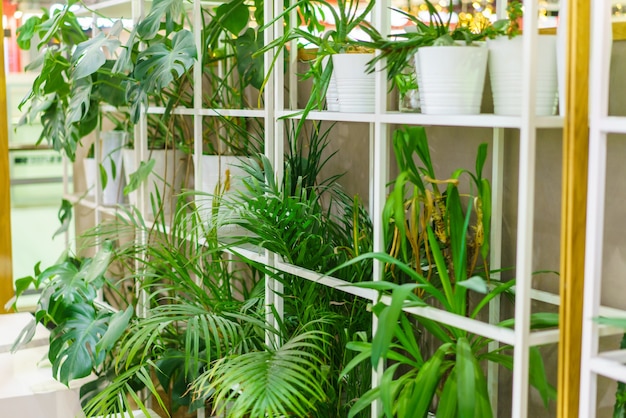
159	64
169	9
79	100
73	343
89	56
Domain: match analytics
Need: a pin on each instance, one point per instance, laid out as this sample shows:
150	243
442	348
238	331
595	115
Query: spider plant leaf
388	321
538	378
426	382
447	407
386	390
466	387
499	289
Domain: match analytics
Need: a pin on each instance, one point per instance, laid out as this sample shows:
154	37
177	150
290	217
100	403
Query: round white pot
451	79
90	168
505	72
355	87
112	143
221	176
167	177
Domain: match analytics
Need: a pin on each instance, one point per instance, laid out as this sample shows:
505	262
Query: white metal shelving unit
610	364
276	111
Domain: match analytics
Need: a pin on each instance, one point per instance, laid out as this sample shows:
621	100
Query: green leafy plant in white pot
506	55
450	62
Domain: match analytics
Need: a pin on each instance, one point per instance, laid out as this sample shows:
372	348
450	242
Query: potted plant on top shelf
505	42
328	80
450	62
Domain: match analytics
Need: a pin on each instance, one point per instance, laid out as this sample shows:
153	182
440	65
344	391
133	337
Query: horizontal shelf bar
612	124
614	355
249	113
501	334
80	200
246	113
608	368
399	118
328	281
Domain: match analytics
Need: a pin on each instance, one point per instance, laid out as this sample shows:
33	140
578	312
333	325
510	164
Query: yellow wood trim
6	265
619	31
574	206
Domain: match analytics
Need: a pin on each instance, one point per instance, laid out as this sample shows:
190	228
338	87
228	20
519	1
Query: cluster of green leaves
309	221
72	82
417	207
435	241
83	331
347	16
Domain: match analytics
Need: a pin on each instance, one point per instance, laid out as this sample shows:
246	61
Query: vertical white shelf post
525	213
601	28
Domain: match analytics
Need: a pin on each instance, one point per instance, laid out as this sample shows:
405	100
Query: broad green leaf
65	217
233	16
72	346
99	264
118	323
168	9
538	378
614	322
79	100
475	283
159	64
386	393
25	335
466	389
138	177
90	56
26	32
538	320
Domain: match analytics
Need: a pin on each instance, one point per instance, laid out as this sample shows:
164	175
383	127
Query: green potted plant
347	15
450	80
438	248
75	78
505	66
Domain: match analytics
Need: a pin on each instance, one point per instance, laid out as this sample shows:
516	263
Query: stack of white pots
355	87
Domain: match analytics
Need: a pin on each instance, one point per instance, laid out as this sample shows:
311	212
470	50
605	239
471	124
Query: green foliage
83	331
277	381
435	240
72	79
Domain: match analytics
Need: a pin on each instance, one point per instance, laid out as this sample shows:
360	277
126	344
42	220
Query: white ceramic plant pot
89	167
451	79
355	86
167	177
221	176
112	143
332	95
505	72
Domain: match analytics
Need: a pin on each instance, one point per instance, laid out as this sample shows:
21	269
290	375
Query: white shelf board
399	118
12	324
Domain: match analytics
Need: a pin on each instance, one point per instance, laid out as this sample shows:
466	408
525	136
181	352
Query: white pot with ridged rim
505	74
355	86
222	176
166	179
451	78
